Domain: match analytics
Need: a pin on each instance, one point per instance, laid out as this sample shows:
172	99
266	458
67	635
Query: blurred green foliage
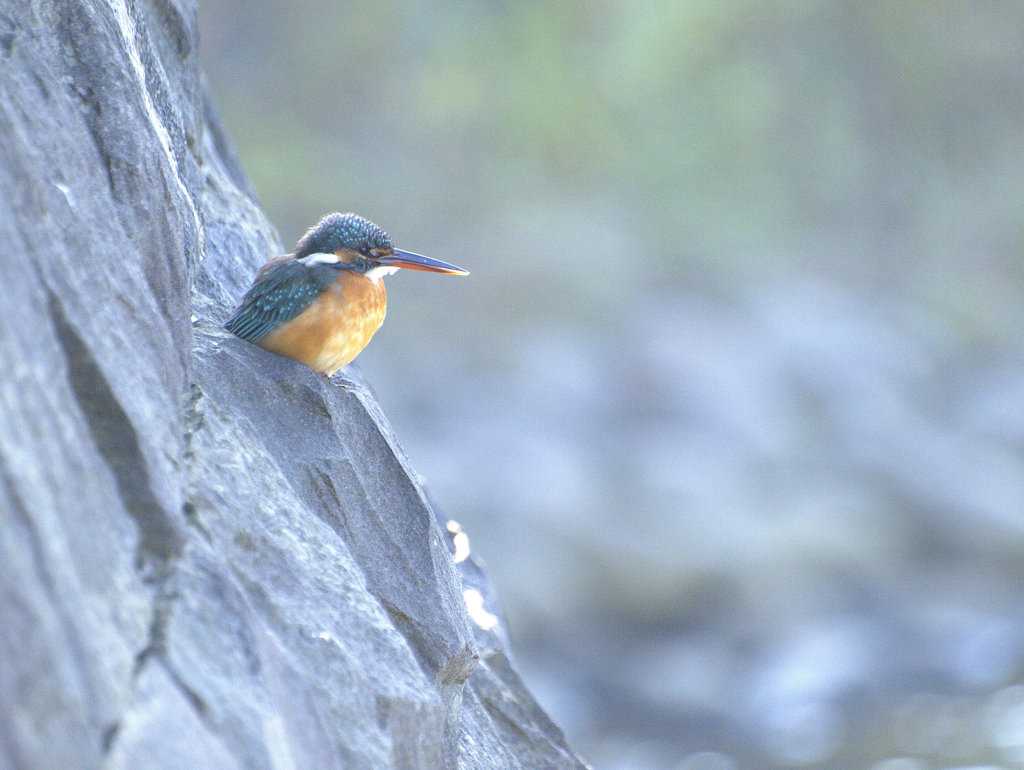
876	142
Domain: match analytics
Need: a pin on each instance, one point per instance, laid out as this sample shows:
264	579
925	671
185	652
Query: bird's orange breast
336	327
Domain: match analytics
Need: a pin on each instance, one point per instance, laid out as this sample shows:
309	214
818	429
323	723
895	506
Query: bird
323	302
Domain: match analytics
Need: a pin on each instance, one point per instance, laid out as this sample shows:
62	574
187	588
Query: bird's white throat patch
379	271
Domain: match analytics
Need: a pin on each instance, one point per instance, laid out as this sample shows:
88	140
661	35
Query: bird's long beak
407	259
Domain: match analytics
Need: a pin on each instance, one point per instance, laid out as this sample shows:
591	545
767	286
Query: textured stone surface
210	556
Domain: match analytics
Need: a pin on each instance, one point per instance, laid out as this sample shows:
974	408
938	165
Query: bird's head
356	243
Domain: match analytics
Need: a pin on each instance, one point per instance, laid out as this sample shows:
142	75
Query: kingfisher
322	303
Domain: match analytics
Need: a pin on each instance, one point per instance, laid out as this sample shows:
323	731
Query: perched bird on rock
323	302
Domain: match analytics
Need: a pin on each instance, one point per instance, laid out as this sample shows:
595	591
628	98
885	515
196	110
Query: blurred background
732	404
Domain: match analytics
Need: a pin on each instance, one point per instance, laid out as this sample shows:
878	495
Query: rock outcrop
209	555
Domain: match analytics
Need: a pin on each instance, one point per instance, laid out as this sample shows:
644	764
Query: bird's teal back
283	291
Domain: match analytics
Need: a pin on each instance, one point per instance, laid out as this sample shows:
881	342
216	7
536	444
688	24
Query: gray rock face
209	555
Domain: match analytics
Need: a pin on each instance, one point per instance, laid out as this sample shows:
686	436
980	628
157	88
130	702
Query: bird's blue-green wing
280	293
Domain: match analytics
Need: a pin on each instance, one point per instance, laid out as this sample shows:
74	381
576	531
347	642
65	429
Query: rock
210	556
